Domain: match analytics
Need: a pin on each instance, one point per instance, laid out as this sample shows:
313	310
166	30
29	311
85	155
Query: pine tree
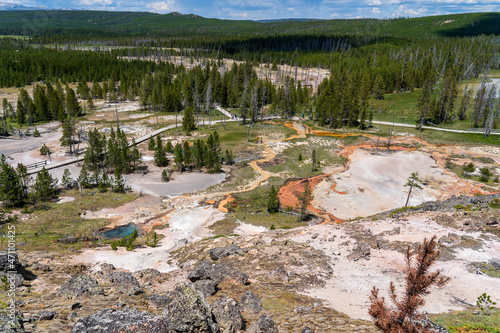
413	181
118	183
151	143
314	162
69	131
179	157
84	178
45	186
273	202
11	187
378	87
424	103
73	108
66	180
169	148
188	124
187	155
160	157
44	150
165	177
305	199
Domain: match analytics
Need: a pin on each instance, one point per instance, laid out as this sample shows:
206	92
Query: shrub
152	240
468	167
485	304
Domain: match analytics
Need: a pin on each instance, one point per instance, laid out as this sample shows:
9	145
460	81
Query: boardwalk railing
36	165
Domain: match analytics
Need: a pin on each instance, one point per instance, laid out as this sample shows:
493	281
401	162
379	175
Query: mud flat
186	224
349	288
179	184
375	183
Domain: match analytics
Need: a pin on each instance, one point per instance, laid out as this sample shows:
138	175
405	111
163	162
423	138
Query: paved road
430	127
141	139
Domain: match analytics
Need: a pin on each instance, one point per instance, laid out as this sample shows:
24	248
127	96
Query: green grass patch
469	321
403	209
490	268
45	228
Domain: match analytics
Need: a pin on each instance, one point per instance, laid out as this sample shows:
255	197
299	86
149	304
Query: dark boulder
360	251
206	270
125	283
279	274
251	303
12	324
148	275
263	325
123	321
9	262
187	311
227	315
307	330
207	287
226	251
46	315
159	301
80	285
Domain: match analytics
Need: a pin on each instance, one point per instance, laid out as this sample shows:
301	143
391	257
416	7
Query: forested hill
97	24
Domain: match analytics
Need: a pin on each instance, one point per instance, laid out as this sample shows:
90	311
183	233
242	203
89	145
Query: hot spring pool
121	231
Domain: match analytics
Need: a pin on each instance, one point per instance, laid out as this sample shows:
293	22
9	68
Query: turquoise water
120	231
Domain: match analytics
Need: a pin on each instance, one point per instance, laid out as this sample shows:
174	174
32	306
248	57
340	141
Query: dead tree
404	317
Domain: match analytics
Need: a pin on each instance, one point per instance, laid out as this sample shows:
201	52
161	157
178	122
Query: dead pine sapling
404	316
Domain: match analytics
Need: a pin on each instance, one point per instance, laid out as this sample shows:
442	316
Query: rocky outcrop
227	315
11	325
9	262
279	274
219	272
159	301
226	251
123	321
251	303
148	275
80	285
187	311
125	283
360	251
16	278
263	325
206	287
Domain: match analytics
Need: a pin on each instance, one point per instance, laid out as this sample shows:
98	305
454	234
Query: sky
274	9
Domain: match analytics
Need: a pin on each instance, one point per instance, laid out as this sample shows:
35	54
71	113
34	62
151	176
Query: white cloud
382	2
403	10
163	6
243	15
376	10
96	2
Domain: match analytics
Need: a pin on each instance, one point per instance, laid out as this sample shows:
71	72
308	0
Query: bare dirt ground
375	183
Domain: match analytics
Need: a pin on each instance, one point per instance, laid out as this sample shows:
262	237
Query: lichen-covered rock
279	274
187	311
46	315
360	251
263	325
207	287
226	251
123	321
227	315
251	303
125	283
80	285
158	301
9	262
11	325
147	275
206	270
16	278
